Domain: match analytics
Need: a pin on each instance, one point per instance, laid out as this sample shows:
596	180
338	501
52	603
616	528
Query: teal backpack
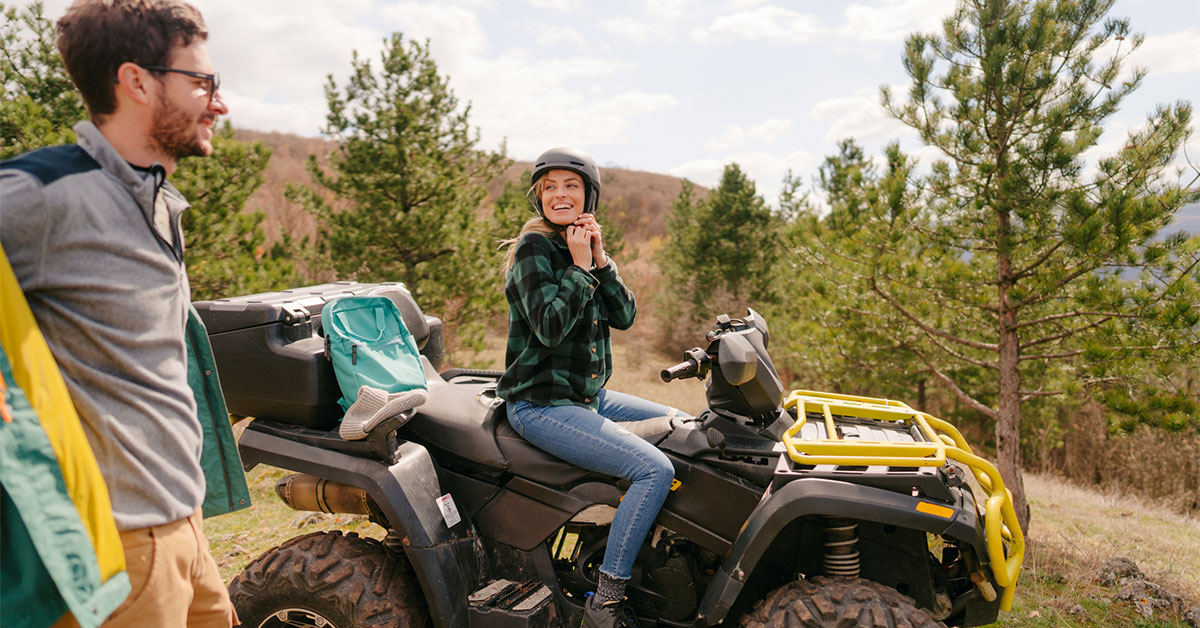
369	345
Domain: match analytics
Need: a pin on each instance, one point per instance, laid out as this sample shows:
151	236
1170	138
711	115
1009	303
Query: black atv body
485	529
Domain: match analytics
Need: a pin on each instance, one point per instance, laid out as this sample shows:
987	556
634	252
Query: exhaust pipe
301	491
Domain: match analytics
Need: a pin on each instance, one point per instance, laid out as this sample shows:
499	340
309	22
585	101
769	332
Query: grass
1073	531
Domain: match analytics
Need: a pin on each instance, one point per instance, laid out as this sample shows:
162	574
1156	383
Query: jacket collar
93	141
143	184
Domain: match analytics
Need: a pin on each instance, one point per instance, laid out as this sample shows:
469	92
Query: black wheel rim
296	618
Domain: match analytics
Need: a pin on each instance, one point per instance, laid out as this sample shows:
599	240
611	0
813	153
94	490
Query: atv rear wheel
329	580
837	603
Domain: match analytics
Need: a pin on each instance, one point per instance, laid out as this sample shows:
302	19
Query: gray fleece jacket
97	249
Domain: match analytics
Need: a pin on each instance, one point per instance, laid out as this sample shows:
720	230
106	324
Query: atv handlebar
687	368
696	365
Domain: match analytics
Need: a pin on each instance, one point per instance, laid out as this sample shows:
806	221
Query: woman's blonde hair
537	224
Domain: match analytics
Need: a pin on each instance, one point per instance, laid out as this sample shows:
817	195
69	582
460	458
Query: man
92	232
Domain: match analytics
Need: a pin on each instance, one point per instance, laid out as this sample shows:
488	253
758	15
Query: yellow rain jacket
60	548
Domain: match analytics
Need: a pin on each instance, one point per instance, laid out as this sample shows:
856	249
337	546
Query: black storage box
270	349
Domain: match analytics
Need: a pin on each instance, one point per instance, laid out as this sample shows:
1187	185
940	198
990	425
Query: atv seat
465	418
534	464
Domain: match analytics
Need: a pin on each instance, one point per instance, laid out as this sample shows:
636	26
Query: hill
638	201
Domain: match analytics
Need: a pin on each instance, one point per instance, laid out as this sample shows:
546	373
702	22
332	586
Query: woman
563	295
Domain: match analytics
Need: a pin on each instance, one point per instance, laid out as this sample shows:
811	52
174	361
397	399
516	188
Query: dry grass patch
1086	527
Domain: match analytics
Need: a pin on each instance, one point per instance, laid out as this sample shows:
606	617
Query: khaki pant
175	580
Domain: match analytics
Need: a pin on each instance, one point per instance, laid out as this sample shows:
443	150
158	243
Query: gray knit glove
373	406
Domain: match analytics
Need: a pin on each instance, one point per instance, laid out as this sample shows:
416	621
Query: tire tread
823	602
352	578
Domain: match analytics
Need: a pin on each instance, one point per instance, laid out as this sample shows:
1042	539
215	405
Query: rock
1117	568
1077	611
1146	596
1192	617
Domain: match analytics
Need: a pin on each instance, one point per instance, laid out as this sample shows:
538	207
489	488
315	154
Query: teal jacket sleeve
223	475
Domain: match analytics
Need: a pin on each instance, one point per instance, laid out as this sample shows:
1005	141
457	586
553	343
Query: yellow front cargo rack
942	442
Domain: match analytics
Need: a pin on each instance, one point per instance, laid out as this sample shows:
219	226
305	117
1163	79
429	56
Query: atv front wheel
837	602
329	580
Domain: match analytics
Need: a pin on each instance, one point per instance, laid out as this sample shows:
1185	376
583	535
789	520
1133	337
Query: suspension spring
841	552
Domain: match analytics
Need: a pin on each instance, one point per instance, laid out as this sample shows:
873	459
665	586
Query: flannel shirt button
595	321
593	349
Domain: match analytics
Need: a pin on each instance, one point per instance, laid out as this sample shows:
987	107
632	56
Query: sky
680	87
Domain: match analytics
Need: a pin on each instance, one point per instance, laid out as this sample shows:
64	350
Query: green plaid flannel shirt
559	316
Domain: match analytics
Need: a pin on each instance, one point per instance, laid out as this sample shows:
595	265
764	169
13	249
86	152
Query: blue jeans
595	441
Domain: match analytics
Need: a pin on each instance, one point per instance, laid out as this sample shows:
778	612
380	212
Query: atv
800	509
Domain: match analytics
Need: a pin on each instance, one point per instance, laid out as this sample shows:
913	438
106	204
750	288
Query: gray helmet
575	160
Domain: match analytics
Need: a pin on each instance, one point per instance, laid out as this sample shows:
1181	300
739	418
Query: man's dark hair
96	36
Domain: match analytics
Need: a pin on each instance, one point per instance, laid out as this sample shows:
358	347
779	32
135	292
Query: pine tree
1006	272
833	330
409	183
721	250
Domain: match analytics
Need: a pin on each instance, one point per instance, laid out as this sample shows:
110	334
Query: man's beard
176	132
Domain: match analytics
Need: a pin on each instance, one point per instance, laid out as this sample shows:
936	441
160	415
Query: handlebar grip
687	368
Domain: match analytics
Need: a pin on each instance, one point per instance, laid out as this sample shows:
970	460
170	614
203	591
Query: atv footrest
510	604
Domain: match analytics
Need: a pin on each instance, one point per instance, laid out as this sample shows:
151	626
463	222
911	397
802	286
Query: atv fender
816	496
446	559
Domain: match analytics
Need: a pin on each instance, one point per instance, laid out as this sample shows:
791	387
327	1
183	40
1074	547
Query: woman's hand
588	222
579	243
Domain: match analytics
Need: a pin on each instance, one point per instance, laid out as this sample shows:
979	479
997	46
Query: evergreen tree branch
1050	356
1071	332
1072	314
1033	266
929	330
1050	291
954	388
1027	395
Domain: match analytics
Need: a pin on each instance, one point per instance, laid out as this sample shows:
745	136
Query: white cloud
734	136
274	61
706	172
514	99
555	5
569	118
252	112
893	20
765	169
763	24
455	34
555	36
859	116
627	27
665	10
744	5
1172	53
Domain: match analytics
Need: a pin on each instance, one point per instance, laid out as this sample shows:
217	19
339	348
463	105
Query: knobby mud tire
838	603
352	582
